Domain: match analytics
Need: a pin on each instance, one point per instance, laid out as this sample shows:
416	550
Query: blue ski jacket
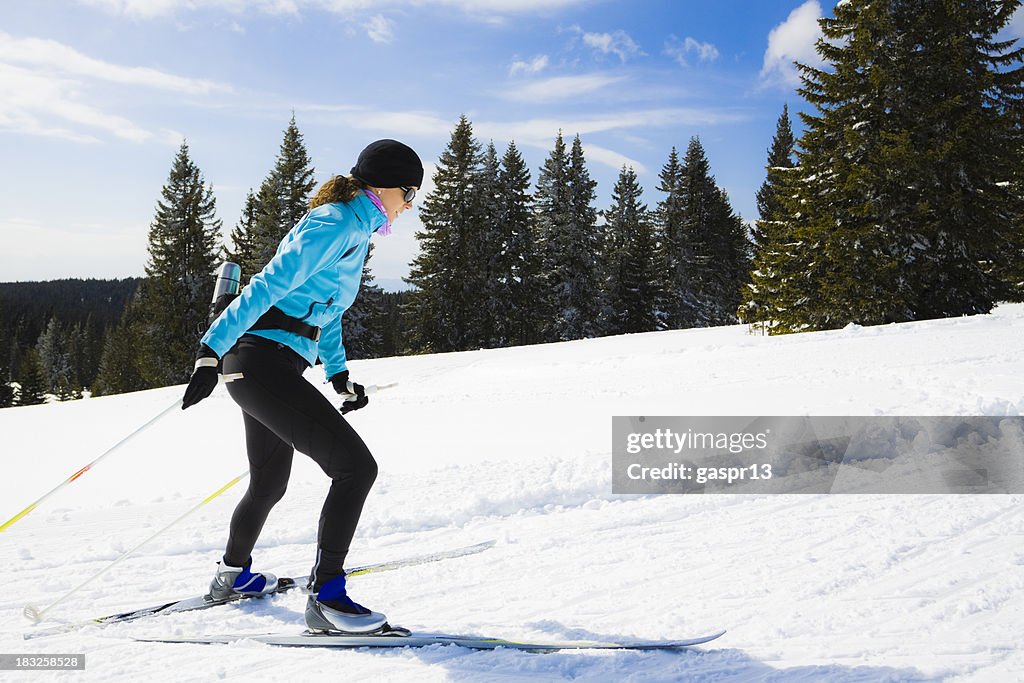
314	276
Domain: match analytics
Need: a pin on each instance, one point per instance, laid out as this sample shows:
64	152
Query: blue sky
96	96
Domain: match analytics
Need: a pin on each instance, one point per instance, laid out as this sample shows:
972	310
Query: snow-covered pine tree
572	244
699	194
53	352
768	232
677	305
552	220
442	307
770	195
486	254
629	258
519	264
183	247
903	206
965	125
717	255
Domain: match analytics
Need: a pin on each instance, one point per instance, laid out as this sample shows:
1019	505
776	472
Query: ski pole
370	390
88	467
35	615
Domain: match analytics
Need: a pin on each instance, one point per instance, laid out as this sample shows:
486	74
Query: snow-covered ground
515	445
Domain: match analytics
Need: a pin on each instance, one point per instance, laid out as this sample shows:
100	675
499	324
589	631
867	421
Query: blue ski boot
330	610
230	581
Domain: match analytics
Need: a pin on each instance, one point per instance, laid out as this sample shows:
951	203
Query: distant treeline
52	334
61	325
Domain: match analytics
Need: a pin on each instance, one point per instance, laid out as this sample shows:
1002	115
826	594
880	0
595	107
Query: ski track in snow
514	445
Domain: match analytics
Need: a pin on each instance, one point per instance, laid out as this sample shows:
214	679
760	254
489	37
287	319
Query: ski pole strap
276	319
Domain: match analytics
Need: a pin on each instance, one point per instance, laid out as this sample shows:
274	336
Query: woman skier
288	314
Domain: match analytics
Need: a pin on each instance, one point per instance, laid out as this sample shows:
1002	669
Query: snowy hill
515	445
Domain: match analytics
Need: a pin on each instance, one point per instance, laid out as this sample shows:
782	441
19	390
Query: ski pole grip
369	389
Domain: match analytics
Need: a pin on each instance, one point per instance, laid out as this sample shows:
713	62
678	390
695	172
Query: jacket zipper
326	304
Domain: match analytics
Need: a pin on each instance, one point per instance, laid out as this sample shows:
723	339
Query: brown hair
340	188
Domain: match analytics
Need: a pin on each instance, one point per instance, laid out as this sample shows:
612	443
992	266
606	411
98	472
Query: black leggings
283	412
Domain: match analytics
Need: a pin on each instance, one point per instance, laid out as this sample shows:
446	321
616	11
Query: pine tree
732	256
55	360
32	382
281	201
780	162
182	256
903	206
571	240
394	331
244	251
772	205
6	390
443	308
486	255
119	364
84	348
677	303
295	174
363	324
629	251
717	256
267	230
518	263
552	221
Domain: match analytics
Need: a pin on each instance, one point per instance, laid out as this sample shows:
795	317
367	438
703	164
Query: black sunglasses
410	193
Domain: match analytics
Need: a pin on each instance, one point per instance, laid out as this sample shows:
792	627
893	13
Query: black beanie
389	163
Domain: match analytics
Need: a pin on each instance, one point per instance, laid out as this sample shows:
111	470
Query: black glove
343	386
204	377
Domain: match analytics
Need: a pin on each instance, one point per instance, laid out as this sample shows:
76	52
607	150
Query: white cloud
538	132
792	40
394	123
680	50
44	92
381	29
535	65
54	56
617	43
611	158
35	104
559	88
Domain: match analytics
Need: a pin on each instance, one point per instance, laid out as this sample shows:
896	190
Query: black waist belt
276	319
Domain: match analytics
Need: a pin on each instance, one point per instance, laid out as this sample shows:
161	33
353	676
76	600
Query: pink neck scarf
385	229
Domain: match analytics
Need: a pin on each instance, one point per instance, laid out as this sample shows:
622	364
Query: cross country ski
284	585
398	638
